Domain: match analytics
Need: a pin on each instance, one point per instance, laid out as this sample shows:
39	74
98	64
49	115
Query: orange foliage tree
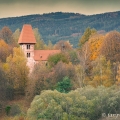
95	44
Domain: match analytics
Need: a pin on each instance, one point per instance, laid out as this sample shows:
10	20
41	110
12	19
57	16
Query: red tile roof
42	55
27	35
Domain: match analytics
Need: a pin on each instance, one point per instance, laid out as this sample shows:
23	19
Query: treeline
64	26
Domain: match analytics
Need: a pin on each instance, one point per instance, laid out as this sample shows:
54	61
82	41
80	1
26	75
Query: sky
13	8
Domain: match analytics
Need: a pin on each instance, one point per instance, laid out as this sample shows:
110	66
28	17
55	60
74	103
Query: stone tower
27	42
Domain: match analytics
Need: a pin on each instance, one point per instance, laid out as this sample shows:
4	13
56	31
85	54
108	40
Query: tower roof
27	35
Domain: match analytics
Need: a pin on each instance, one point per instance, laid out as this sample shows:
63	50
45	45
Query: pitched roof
42	55
27	35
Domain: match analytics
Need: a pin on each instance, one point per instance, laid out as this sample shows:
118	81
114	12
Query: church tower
27	42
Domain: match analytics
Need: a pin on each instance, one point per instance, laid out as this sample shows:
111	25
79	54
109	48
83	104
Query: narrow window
27	55
28	46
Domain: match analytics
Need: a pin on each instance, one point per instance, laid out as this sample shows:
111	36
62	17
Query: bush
15	110
7	110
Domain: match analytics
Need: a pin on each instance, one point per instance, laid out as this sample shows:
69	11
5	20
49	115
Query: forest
77	84
65	26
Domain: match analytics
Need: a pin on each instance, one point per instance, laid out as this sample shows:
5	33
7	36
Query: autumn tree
16	70
5	50
85	37
3	84
111	46
84	58
118	74
40	79
80	76
102	73
95	45
3	89
63	45
61	70
6	34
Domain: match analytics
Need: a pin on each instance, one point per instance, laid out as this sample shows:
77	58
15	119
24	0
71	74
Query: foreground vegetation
86	103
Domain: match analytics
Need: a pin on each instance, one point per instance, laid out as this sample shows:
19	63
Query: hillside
64	26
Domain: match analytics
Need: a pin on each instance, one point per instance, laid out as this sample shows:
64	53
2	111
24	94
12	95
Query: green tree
15	36
50	45
85	37
39	42
87	103
54	59
64	86
73	57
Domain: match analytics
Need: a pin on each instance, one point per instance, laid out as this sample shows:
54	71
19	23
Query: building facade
27	43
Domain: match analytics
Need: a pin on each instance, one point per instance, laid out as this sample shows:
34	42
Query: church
27	43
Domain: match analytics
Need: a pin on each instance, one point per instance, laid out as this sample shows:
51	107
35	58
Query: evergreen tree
64	86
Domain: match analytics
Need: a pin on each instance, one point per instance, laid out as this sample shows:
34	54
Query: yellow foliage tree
102	73
118	75
16	69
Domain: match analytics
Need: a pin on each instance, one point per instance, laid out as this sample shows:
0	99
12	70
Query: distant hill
64	26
